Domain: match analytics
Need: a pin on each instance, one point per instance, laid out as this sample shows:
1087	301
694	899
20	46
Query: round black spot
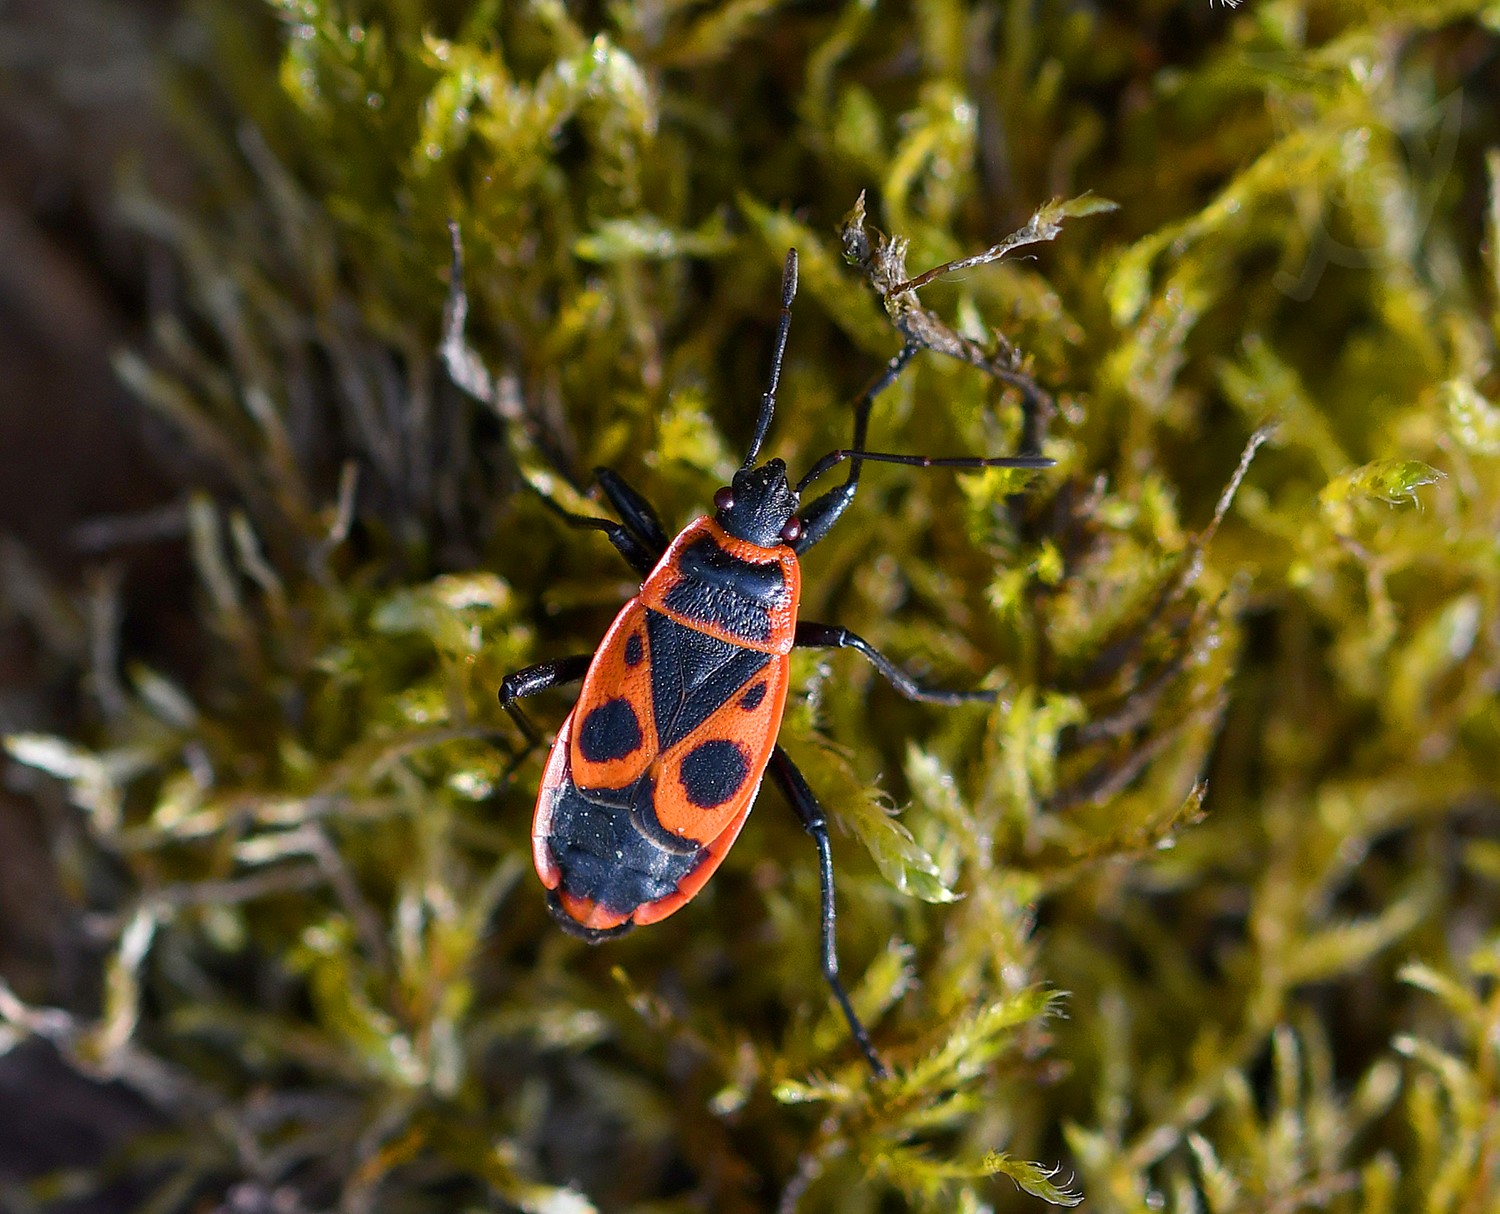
611	731
712	773
634	650
752	698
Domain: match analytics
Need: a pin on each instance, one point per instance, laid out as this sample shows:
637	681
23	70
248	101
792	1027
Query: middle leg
811	635
532	680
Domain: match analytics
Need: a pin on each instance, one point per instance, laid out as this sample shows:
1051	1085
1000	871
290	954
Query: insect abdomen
601	858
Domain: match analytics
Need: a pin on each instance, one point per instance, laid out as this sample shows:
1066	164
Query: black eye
724	498
791	530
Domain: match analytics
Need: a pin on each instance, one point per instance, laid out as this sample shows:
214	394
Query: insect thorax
740	592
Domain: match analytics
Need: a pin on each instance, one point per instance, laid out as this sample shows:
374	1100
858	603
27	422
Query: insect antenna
768	397
834	458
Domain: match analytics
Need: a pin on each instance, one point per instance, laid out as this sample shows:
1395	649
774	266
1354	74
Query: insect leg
823	512
530	680
834	636
635	511
794	785
640	538
637	553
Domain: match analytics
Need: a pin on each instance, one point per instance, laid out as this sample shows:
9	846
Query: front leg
637	554
819	516
638	514
640	538
810	635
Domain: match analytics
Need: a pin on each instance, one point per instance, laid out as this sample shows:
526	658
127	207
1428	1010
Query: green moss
1203	912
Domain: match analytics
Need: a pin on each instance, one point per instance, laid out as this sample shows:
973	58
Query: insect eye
724	498
791	530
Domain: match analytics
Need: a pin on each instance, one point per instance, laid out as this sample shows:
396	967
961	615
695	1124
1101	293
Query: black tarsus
795	787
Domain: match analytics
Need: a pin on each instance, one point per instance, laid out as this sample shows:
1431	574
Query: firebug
653	773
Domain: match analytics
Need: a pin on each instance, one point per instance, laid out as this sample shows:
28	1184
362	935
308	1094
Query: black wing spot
713	772
634	650
610	731
750	701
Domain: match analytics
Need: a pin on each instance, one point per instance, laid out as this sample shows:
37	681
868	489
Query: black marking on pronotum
735	614
721	589
713	772
611	731
704	561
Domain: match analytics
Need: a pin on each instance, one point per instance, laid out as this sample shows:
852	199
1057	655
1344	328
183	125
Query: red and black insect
654	771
